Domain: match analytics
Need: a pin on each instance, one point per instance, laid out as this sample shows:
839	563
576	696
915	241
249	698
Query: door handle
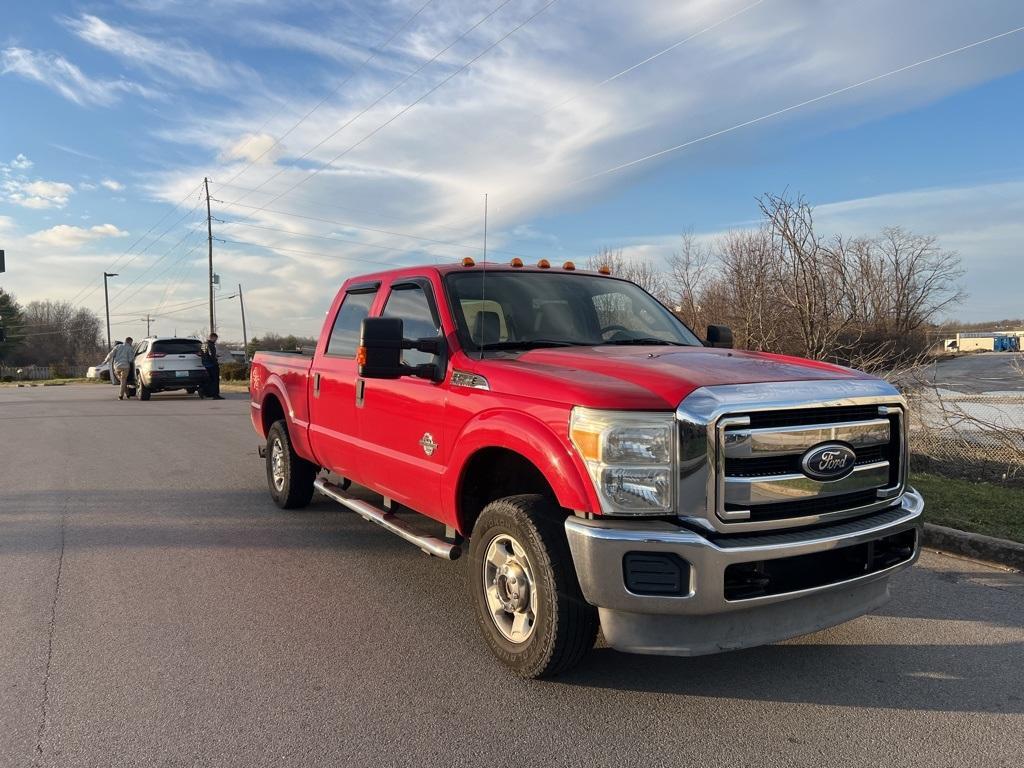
316	385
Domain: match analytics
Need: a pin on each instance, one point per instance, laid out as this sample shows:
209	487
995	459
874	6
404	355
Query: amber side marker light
468	262
604	269
544	264
361	356
516	262
569	266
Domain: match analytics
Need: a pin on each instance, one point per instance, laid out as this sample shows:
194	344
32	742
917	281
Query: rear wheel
190	390
524	588
289	476
143	390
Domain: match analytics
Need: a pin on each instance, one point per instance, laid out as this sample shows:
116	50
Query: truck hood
648	378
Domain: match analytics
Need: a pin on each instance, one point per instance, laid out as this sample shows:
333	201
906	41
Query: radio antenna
483	281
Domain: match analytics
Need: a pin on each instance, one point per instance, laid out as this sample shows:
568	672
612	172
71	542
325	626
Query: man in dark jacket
212	365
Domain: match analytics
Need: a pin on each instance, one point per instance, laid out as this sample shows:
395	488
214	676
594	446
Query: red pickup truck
602	465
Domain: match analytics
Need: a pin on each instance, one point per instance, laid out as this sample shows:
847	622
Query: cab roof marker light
516	262
544	264
468	262
604	269
568	266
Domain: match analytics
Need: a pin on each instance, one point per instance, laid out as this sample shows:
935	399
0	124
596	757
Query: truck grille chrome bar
744	453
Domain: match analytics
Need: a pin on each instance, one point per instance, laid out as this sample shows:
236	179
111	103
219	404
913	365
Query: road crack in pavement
44	705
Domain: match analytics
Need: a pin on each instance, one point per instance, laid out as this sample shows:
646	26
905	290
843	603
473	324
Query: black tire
143	390
297	474
565	625
190	390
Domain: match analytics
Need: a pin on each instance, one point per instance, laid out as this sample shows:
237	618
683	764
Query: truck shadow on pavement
946	678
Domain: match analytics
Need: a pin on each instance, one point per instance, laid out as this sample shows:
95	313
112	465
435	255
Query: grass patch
988	508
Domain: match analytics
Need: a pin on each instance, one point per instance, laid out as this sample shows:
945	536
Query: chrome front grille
759	467
741	450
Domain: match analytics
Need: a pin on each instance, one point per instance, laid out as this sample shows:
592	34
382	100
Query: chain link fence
978	436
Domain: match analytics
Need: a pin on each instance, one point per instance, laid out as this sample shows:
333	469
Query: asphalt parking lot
981	372
157	609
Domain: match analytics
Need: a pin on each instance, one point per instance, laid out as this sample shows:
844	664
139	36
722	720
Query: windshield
524	310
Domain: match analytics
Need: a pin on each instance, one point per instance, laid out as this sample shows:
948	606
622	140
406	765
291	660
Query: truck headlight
629	456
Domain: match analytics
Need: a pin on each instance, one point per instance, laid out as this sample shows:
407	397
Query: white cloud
21	163
38	194
112	185
68	235
253	147
60	75
177	59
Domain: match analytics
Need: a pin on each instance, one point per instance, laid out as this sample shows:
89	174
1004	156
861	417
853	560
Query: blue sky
326	164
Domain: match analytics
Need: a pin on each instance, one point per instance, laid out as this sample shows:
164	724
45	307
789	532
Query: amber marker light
516	262
544	264
569	266
604	269
361	356
468	262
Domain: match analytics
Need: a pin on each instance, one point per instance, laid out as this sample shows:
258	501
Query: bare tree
59	333
636	270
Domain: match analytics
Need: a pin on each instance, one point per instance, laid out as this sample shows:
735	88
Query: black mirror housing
380	348
381	341
720	336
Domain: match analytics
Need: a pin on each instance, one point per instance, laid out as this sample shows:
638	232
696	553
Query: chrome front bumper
703	620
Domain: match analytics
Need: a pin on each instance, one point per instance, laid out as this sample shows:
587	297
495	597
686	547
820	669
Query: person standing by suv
212	365
121	363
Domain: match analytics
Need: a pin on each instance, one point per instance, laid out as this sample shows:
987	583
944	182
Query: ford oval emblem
828	461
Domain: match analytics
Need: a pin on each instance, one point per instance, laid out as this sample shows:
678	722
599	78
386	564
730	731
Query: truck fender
298	426
532	439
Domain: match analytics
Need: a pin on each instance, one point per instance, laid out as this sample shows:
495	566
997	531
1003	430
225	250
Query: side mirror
380	348
381	341
720	336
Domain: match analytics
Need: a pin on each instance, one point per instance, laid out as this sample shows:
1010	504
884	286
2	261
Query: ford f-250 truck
603	465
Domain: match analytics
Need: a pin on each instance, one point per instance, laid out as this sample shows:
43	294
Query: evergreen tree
12	321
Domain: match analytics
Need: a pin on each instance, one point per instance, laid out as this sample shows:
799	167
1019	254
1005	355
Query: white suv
166	364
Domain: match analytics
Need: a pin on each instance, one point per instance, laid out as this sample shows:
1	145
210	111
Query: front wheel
289	476
524	588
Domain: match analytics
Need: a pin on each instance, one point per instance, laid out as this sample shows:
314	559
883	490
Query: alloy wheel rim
510	589
277	464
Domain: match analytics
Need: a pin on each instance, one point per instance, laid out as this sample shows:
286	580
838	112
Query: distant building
985	341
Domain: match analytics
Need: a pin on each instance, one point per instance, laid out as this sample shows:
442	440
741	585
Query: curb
974	545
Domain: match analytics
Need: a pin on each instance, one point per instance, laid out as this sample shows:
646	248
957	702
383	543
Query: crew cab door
333	427
401	421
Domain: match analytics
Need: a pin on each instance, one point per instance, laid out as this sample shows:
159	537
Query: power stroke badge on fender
828	461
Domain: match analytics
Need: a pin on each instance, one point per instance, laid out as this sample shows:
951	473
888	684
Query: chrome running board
432	545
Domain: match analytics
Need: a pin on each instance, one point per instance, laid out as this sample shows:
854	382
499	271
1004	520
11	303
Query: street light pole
245	336
106	302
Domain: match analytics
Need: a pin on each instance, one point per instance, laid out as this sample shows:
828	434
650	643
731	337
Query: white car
101	372
167	364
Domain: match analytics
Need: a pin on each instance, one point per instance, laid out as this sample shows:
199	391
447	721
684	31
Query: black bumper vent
744	581
656	573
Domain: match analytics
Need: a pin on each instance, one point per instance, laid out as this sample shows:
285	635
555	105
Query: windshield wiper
646	341
528	344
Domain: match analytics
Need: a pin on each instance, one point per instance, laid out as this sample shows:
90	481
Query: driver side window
419	319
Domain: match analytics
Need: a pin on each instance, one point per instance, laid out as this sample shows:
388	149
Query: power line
358	226
651	58
321	254
379	49
78	297
120	301
793	107
405	109
333	205
394	88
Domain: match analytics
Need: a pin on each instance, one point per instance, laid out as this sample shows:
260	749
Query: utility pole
245	337
147	325
106	301
209	234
